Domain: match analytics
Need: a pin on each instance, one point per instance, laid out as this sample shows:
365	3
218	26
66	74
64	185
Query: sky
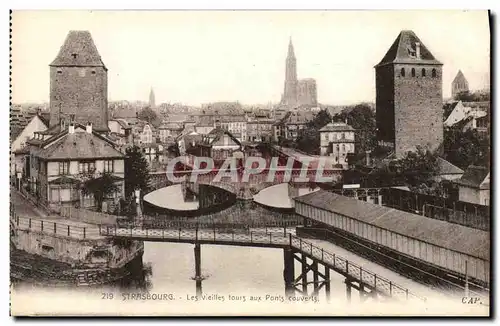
196	57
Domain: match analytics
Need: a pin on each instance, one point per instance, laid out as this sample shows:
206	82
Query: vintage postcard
250	163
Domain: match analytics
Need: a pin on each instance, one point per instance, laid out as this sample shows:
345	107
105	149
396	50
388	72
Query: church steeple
152	102
291	52
290	91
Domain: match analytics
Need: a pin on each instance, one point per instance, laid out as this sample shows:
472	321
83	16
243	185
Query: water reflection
172	197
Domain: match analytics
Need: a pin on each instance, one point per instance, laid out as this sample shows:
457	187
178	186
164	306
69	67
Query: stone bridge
246	189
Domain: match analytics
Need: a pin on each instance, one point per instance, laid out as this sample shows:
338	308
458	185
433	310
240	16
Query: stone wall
82	91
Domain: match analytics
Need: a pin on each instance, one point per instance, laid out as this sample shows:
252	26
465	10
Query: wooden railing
341	265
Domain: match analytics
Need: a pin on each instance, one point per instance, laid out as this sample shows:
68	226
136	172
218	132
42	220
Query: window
59	71
72	118
423	72
63	168
413	72
402	72
343	147
108	166
86	167
434	74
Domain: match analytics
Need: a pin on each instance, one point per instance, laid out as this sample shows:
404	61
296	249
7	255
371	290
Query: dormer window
74	55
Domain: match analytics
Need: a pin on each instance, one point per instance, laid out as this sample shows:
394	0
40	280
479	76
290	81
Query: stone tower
290	91
152	103
79	83
459	84
409	97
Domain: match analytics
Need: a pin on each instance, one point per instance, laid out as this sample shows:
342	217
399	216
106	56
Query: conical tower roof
404	48
78	50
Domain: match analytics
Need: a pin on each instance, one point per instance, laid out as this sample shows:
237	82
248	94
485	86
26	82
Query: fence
55	228
337	263
87	216
470	219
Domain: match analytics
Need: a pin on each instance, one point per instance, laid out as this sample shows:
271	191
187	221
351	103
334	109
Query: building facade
474	185
60	164
79	83
307	94
409	99
337	140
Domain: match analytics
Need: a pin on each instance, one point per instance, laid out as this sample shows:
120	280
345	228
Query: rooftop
404	50
452	236
78	50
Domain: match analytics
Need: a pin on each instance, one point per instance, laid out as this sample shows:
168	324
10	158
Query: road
24	207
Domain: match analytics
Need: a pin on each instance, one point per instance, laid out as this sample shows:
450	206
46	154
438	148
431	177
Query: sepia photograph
250	163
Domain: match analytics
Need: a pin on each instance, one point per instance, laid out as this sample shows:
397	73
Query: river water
239	270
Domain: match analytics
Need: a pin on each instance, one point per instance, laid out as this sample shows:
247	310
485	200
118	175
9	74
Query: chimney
89	127
417	50
368	160
71	128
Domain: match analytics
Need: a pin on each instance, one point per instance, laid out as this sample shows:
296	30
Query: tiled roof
217	133
405	44
78	50
337	126
79	145
446	167
452	236
474	177
124	124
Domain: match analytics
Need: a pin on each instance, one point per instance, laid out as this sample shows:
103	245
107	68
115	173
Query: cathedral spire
291	52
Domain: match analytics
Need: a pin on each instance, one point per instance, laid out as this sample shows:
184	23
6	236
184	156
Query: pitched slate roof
78	50
78	145
452	236
446	167
400	51
474	177
337	126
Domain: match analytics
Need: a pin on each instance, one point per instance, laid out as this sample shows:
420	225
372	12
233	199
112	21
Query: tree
415	169
100	186
136	171
463	148
362	118
147	114
308	139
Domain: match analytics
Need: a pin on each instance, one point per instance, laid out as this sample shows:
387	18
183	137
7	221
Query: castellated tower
409	97
79	83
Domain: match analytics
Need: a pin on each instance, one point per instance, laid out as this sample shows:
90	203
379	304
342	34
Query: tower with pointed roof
459	84
290	92
409	96
79	84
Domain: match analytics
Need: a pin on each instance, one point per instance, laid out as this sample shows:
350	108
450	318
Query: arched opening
434	73
413	72
423	72
402	72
